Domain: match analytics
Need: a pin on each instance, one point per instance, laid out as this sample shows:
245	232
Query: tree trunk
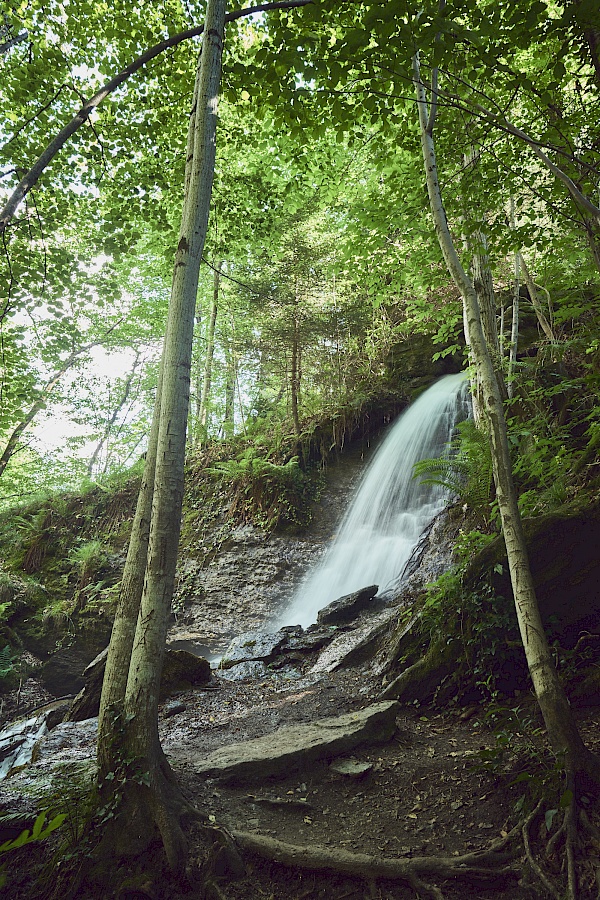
230	382
113	418
208	362
13	441
560	724
295	368
152	799
128	606
535	300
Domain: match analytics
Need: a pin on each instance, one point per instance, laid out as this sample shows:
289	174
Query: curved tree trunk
12	444
535	300
560	724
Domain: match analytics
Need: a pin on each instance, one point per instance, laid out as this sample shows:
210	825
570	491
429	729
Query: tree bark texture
153	800
562	730
128	606
535	300
143	683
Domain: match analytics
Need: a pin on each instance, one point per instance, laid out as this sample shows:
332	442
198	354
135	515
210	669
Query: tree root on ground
486	866
571	865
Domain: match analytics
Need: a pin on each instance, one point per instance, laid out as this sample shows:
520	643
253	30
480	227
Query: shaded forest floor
449	782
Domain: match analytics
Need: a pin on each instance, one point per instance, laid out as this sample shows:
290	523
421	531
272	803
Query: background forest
397	192
320	225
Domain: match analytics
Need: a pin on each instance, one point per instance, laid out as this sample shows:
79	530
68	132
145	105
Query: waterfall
390	508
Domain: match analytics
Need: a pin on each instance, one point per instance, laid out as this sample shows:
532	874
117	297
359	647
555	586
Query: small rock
352	768
174	707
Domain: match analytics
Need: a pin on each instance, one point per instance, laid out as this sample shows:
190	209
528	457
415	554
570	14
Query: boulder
296	746
350	647
251	668
181	671
347	608
257	646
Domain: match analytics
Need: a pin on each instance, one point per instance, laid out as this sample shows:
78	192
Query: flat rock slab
294	746
347	646
257	645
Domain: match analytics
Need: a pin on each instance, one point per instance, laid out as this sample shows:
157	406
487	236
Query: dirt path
427	792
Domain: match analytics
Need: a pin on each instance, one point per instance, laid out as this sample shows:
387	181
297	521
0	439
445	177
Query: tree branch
12	42
47	155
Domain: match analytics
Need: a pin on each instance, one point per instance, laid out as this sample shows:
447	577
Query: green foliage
482	626
7	663
88	557
40	831
266	493
466	471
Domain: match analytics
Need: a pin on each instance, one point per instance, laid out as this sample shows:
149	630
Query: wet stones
181	671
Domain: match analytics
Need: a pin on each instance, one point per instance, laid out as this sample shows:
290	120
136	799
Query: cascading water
390	508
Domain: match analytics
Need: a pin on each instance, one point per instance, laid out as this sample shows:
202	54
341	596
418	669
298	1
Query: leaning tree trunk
111	421
208	362
535	300
560	724
151	800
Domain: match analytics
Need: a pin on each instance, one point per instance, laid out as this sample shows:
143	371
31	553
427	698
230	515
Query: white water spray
390	508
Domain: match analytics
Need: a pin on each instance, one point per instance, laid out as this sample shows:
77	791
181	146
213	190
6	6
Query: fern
7	662
467	470
266	493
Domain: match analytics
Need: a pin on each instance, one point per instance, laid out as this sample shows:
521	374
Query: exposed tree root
485	865
534	865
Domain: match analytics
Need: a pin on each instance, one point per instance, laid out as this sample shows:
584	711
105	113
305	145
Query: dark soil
430	791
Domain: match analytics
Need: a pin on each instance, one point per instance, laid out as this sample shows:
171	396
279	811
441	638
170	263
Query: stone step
295	746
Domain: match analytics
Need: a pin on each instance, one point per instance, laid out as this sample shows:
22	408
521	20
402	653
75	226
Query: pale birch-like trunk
208	361
558	717
153	802
535	300
514	331
111	421
295	374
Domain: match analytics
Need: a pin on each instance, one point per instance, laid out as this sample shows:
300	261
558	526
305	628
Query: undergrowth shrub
480	629
466	471
268	494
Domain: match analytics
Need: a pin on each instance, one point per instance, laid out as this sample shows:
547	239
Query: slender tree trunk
535	300
560	724
514	333
230	381
208	362
113	418
295	368
128	607
13	441
153	800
